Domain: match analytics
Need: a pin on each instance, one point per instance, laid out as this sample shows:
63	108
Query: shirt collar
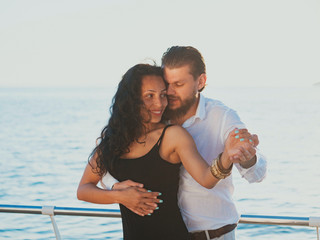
200	113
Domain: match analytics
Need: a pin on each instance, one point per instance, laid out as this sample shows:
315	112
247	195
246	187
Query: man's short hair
179	56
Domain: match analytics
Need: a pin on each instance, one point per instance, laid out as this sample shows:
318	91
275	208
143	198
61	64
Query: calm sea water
46	136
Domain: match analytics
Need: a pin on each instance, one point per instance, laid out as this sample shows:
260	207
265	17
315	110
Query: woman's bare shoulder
176	131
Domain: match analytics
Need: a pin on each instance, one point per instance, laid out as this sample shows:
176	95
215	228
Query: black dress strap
162	134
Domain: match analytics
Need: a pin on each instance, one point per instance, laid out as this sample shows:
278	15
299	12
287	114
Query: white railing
115	213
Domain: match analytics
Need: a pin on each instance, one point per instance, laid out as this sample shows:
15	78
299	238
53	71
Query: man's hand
136	198
240	148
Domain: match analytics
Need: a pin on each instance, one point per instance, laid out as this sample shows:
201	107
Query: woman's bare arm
179	142
133	197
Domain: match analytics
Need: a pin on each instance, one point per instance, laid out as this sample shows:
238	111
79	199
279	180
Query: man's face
182	89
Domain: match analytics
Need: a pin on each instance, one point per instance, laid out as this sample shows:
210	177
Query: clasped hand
241	146
138	199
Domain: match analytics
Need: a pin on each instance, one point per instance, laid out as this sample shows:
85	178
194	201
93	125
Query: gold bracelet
216	170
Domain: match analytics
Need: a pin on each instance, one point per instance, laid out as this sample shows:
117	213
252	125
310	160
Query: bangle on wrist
222	169
218	171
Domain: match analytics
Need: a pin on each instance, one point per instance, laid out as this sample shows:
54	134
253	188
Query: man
209	122
208	213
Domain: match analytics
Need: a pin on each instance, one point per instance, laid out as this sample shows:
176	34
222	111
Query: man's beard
174	114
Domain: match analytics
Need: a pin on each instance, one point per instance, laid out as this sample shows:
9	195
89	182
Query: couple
143	153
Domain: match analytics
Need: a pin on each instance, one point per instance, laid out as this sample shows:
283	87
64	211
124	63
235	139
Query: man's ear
202	81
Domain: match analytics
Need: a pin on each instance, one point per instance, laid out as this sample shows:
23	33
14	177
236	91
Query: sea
47	134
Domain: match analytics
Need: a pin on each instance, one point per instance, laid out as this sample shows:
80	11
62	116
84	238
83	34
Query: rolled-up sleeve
257	172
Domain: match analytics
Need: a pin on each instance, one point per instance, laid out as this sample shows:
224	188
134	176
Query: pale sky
82	43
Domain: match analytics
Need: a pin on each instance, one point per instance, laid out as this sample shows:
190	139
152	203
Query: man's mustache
170	97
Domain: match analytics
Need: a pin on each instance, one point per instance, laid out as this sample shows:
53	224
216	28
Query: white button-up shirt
201	208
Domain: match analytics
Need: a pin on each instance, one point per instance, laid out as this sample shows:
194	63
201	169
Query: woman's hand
136	198
128	193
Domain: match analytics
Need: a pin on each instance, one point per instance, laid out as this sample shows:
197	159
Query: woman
137	145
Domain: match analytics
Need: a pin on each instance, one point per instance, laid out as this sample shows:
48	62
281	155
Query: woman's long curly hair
125	124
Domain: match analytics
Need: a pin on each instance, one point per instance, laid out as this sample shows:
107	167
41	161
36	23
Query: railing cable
115	213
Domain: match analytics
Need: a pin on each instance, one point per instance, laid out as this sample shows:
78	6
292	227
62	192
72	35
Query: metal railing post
315	222
49	210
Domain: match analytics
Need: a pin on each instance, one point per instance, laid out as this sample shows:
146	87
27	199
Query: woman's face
154	97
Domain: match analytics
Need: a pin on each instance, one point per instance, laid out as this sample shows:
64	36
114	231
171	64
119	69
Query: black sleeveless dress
157	175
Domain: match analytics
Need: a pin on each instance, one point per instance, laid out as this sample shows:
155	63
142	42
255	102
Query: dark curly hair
125	123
